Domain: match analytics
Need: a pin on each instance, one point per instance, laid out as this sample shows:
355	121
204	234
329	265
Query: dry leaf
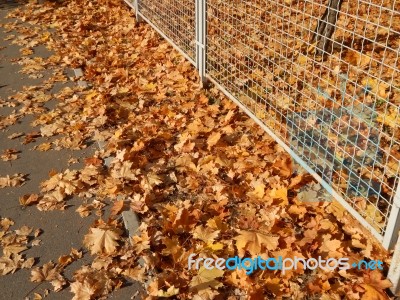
206	278
213	139
12	181
100	240
255	242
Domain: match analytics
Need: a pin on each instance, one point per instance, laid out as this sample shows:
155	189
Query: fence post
201	32
137	15
394	269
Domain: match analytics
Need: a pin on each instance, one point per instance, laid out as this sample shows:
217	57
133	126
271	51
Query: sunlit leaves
102	240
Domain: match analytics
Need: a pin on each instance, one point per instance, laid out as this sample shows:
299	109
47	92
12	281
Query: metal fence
322	77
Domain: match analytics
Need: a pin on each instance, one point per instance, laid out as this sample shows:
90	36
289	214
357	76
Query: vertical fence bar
394	269
201	31
391	233
137	15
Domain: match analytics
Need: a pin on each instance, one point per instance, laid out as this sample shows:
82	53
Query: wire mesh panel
324	76
175	18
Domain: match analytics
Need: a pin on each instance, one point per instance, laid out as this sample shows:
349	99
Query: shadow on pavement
9	4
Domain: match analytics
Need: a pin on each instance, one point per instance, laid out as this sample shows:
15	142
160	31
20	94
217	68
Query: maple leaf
9	264
283	167
213	139
137	273
280	194
254	242
12	181
84	210
13	249
100	240
48	272
65	260
83	290
9	154
205	234
371	293
259	190
92	284
374	278
206	278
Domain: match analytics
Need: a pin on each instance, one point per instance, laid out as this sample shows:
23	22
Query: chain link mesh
175	18
333	99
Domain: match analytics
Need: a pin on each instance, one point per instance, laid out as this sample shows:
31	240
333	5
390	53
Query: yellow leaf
149	87
215	246
376	87
390	118
100	240
206	278
280	194
357	59
205	234
44	147
172	291
91	95
213	139
302	59
374	217
254	242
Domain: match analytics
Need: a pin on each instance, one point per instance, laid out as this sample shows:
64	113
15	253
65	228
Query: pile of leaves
202	176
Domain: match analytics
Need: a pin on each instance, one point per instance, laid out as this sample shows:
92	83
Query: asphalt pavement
61	229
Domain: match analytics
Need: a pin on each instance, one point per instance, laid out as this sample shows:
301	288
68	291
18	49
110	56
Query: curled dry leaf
28	199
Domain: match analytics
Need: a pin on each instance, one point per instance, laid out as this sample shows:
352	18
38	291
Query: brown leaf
12	181
48	272
371	293
255	242
206	278
213	139
94	161
283	167
28	199
9	154
100	240
117	207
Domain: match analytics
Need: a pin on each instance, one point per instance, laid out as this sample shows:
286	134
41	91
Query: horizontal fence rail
322	77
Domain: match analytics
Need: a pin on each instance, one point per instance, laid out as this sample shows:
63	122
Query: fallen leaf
206	278
100	240
255	242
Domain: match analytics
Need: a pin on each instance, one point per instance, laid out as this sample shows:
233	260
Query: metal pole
201	39
393	224
394	270
138	17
